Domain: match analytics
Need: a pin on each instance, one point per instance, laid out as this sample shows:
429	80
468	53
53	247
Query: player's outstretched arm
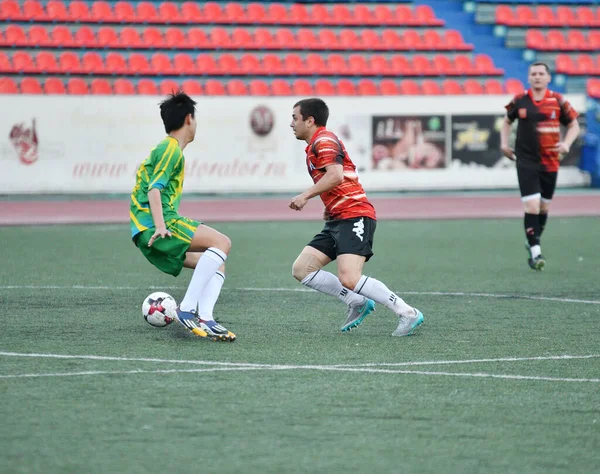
157	216
334	175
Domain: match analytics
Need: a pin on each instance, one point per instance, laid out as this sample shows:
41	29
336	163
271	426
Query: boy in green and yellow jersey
170	241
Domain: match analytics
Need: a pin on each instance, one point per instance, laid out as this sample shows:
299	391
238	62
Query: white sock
535	251
378	292
209	263
329	284
209	296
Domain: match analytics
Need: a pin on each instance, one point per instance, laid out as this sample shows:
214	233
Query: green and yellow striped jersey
164	170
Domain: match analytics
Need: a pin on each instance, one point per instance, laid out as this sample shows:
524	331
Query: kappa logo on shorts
359	228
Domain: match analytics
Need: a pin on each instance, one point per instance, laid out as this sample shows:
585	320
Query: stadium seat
263	39
284	39
92	63
54	85
484	65
584	64
473	87
101	12
576	40
280	87
69	63
146	13
383	16
198	39
5	63
184	65
228	64
379	65
400	65
306	39
349	40
30	85
316	65
391	40
324	87
345	87
367	87
554	41
123	86
362	15
116	63
168	86
585	17
34	11
10	10
592	87
544	16
124	13
504	15
138	64
255	13
258	87
8	86
302	87
206	65
409	87
412	40
430	87
403	15
451	87
219	38
45	63
513	86
213	13
298	14
432	40
77	86
168	12
58	12
14	35
319	15
493	86
453	40
100	87
250	65
272	64
442	65
236	87
175	38
564	64
190	11
78	11
152	38
161	65
130	38
425	15
85	37
358	65
234	12
107	37
524	15
421	65
147	87
566	14
276	14
214	87
293	65
62	37
340	15
192	87
336	65
38	37
23	63
370	40
534	39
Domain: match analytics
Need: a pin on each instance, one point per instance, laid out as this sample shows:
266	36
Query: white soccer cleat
407	324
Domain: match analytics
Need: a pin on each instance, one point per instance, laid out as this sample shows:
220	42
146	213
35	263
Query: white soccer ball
159	309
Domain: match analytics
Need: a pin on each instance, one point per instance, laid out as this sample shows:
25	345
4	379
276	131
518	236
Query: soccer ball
159	309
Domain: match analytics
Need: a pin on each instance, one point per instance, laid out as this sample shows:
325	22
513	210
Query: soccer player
170	241
349	227
538	151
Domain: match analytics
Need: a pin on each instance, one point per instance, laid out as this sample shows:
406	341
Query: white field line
297	290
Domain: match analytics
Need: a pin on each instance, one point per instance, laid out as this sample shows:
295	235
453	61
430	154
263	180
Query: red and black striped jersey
538	130
348	199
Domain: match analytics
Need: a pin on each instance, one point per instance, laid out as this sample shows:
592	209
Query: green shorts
168	254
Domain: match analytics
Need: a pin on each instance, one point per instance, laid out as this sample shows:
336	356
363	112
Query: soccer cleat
407	325
537	263
189	321
357	313
215	331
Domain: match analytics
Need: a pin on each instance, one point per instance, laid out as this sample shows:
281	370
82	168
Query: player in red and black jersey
538	150
349	227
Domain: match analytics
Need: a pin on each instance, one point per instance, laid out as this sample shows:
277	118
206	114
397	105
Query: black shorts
532	181
354	236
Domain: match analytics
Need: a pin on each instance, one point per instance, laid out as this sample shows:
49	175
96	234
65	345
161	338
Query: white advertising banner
66	144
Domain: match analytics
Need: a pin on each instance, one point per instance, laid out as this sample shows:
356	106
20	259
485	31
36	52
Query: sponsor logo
261	120
25	142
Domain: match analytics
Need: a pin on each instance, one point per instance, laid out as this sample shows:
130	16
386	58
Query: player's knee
299	270
532	206
349	279
304	265
224	244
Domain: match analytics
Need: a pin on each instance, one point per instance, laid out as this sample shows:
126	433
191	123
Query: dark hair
315	108
539	63
175	109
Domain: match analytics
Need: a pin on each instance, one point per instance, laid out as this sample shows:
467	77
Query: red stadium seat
421	65
68	63
255	13
124	12
236	87
484	65
594	38
544	16
242	39
442	65
403	15
168	86
370	40
206	64
409	87
184	65
315	64
10	10
391	40
585	17
101	12
272	64
473	87
430	87
584	64
8	86
175	38
15	36
192	87
302	87
293	65
250	65
362	15
115	63
514	86
534	39
152	38
146	13
45	63
349	40
493	86
276	14
400	65
30	85
54	85
554	40
213	13
168	12
198	39
62	37
336	65
298	14
319	15
138	64
38	37
5	63
280	87
593	88
576	40
161	65
214	87
379	65
191	12
567	16
85	37
228	64
524	15
79	11
101	87
389	87
383	15
564	64
147	87
367	87
453	40
92	63
504	15
220	39
22	62
284	39
57	11
263	39
452	87
425	15
107	37
358	65
432	40
130	38
306	39
259	87
34	11
123	87
234	13
77	86
324	87
327	39
345	87
412	40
